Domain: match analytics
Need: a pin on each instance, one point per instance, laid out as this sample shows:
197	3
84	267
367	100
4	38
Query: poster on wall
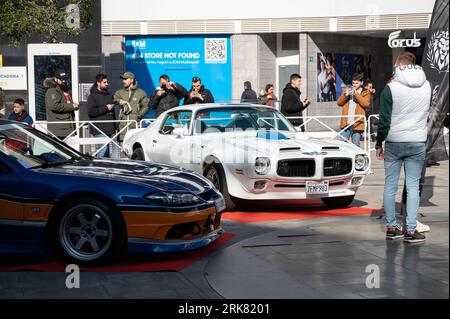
181	58
335	72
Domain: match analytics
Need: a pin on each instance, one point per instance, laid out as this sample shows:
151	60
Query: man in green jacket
59	105
133	102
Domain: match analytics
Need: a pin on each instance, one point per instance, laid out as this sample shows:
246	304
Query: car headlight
262	165
361	162
166	198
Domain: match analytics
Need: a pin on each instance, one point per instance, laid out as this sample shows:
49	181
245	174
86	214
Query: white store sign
13	78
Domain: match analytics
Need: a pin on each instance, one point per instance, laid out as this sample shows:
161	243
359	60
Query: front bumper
143	245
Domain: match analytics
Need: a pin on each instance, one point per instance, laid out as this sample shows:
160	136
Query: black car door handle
155	141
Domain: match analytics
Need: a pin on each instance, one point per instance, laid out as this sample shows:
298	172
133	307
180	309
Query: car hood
291	142
162	177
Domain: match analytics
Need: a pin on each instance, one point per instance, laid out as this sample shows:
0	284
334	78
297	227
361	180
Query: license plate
220	204
317	187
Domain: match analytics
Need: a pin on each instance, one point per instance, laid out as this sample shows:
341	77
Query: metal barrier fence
331	132
74	139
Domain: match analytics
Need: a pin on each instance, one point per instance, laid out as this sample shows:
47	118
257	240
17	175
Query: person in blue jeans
354	101
404	107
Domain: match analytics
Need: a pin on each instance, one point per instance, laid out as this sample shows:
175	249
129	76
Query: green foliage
19	18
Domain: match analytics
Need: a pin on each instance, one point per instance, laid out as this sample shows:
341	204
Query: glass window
31	148
240	119
290	41
178	119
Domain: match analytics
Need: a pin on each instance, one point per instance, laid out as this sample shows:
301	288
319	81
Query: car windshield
234	119
31	148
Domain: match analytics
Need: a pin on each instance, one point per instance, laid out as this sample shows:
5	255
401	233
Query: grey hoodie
405	103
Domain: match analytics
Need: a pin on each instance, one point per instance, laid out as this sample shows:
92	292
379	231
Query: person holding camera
167	95
198	93
354	101
291	104
132	100
59	105
101	108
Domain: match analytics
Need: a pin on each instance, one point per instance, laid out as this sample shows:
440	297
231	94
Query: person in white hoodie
404	107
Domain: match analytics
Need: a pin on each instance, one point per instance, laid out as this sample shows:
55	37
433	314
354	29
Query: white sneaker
422	228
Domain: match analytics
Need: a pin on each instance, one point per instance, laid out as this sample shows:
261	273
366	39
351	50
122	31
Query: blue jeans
354	135
111	150
412	155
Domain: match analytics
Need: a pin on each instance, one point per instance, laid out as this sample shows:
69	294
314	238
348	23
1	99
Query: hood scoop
330	148
290	149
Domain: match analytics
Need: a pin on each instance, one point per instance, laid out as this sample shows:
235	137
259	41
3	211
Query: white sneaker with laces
422	228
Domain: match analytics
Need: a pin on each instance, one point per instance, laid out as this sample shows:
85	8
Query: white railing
74	140
369	132
331	132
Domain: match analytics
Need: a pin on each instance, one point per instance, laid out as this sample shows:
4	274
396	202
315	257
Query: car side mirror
178	132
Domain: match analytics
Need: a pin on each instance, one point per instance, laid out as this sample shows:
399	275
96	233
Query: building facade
269	41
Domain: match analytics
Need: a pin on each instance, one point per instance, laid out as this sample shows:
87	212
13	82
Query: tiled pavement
308	258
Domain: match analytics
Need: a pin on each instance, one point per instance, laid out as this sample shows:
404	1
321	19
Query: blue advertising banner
181	58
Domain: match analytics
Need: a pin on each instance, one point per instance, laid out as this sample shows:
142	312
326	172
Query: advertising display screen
181	58
45	66
44	59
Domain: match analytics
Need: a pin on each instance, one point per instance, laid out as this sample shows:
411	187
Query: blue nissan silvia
97	210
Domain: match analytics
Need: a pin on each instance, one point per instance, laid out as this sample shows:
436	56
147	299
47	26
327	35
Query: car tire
338	202
214	173
138	154
89	231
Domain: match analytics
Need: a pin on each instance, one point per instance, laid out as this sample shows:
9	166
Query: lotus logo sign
395	42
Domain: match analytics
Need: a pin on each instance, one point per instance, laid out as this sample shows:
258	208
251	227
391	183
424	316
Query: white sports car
251	152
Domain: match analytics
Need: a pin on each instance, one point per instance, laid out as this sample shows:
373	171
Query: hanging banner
181	58
436	66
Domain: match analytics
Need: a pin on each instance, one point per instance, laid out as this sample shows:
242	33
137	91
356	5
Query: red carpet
250	217
151	262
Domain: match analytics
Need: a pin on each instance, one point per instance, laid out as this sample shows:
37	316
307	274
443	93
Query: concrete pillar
244	63
113	60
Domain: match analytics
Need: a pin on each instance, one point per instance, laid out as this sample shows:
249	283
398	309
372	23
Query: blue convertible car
97	209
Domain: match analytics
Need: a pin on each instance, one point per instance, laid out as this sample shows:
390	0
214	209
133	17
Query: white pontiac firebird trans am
253	153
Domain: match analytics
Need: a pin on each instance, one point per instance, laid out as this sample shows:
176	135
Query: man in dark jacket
248	96
198	93
59	105
167	95
291	105
101	108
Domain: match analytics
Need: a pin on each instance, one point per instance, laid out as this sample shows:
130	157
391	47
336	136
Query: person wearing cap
133	102
59	105
167	95
198	93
